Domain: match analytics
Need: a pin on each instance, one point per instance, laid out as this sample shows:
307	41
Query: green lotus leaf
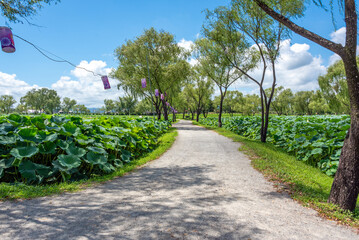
118	163
97	150
125	156
47	148
51	138
28	134
73	150
58	120
70	127
39	122
15	118
7	140
107	168
68	162
24	152
317	151
32	171
85	142
63	144
6	163
95	158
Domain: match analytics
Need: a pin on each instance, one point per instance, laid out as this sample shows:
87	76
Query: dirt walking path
202	188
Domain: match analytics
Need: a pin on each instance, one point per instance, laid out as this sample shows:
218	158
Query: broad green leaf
73	150
24	152
7	140
47	148
28	134
97	150
68	162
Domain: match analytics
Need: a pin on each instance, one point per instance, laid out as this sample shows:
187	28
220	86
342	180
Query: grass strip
12	191
304	183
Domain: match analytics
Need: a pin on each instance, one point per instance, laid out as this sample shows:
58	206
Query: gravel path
203	188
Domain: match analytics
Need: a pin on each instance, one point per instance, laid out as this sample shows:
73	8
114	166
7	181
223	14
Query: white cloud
187	45
86	88
296	68
339	36
9	85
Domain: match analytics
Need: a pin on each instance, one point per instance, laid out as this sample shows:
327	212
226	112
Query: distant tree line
41	100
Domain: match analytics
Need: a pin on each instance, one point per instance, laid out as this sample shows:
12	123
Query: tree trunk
192	112
184	112
345	188
220	111
164	107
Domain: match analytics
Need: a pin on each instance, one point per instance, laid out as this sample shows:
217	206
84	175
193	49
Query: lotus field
49	149
317	140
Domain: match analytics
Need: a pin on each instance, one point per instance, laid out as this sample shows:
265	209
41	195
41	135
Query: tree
200	89
345	188
251	105
6	103
283	100
230	102
334	88
81	109
110	106
68	104
168	67
14	10
301	102
42	99
216	66
126	104
246	20
317	104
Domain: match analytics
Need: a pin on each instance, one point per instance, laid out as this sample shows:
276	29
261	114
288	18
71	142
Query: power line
59	59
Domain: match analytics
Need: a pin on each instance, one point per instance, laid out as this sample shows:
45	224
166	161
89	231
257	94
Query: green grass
306	184
22	191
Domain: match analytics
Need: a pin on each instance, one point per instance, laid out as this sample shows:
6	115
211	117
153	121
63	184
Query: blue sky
89	30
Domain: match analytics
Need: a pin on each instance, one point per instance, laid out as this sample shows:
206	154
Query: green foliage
48	149
42	99
13	10
6	102
334	87
316	140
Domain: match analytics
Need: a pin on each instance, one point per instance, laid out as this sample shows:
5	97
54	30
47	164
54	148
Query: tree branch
335	47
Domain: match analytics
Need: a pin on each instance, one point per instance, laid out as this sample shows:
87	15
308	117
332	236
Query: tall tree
215	65
168	67
42	99
301	102
6	103
16	10
345	188
199	89
68	104
283	100
110	105
246	19
335	88
127	104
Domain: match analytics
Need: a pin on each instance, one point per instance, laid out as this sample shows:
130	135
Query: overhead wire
59	59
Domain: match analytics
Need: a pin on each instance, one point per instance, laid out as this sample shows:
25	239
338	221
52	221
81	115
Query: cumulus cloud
10	85
86	88
187	45
339	36
296	68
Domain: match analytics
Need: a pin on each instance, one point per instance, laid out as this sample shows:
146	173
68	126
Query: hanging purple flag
157	93
167	104
106	83
165	94
175	111
143	83
162	96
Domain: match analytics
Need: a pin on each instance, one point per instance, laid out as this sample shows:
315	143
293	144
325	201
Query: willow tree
17	10
167	63
245	19
335	88
215	65
345	188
